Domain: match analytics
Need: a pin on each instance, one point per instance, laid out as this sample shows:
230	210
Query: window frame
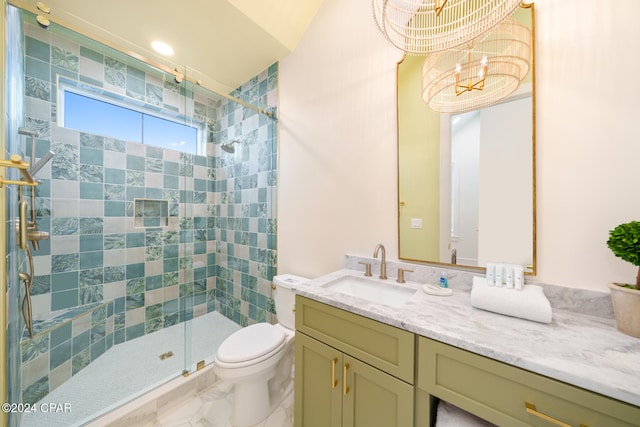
65	84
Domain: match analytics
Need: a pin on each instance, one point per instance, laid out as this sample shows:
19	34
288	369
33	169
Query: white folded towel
530	303
452	416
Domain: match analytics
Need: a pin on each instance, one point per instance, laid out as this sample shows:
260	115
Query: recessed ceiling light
162	48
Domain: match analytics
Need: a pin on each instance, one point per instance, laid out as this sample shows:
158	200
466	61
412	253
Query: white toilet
258	359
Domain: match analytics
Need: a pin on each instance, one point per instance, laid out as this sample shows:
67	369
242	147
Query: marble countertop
582	350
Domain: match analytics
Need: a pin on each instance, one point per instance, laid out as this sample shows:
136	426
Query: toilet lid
250	343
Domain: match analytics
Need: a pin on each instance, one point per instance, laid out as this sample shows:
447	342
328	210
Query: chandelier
480	73
421	27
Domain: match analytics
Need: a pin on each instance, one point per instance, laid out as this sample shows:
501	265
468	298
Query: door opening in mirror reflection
465	163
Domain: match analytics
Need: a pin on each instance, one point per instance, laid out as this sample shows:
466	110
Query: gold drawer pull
345	388
531	409
334	381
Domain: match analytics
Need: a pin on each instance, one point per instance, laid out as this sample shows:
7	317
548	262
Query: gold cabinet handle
345	387
531	409
334	381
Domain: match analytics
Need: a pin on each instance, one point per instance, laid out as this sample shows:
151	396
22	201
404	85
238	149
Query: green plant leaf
624	242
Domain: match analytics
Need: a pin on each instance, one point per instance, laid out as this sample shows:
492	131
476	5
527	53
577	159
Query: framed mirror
466	182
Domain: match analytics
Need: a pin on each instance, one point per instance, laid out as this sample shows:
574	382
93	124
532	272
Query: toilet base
257	386
256	395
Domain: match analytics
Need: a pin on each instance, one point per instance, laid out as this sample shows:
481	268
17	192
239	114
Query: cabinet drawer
380	345
499	392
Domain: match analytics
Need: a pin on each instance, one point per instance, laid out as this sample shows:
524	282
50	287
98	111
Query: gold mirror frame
433	122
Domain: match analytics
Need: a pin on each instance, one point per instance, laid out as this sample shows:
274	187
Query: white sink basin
372	290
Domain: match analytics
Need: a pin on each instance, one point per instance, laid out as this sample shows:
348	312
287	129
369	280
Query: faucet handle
401	272
367	268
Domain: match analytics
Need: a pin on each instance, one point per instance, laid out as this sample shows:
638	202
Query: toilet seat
250	345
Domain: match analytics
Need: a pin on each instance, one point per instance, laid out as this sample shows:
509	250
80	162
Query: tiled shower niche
150	213
102	279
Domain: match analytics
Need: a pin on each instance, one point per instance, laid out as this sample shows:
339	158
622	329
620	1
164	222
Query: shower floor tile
130	369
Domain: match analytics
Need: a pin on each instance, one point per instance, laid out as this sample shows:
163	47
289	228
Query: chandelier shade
478	74
421	27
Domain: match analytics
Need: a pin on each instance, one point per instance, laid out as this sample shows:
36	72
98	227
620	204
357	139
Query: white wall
337	185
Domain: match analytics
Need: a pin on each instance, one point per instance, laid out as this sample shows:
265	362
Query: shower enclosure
156	252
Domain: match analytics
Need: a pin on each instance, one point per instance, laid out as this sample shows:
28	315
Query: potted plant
624	242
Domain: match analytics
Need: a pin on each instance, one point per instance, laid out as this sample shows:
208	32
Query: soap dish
437	290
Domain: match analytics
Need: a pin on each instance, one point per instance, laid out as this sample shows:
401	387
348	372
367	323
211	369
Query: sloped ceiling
223	43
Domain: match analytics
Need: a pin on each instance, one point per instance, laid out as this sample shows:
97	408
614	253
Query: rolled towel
452	416
530	303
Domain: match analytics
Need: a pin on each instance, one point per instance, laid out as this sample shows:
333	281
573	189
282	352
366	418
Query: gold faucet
383	261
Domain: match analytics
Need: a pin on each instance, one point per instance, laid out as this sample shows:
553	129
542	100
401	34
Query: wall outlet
416	222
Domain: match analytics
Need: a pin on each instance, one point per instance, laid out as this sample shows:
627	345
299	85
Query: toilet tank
284	298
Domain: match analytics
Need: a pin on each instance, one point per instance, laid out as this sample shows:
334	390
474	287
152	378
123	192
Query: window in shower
96	111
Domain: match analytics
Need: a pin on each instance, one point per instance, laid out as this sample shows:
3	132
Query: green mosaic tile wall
218	251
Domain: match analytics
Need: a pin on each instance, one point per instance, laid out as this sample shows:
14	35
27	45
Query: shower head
228	147
40	164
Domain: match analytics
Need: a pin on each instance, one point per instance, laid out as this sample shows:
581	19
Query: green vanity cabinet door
375	399
318	382
351	371
333	389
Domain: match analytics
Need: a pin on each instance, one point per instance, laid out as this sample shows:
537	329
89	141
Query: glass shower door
196	182
145	240
234	212
107	293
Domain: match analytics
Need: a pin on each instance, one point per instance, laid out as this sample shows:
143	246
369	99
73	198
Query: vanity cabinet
350	370
506	395
355	371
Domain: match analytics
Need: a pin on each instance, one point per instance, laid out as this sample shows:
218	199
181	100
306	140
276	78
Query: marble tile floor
212	408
